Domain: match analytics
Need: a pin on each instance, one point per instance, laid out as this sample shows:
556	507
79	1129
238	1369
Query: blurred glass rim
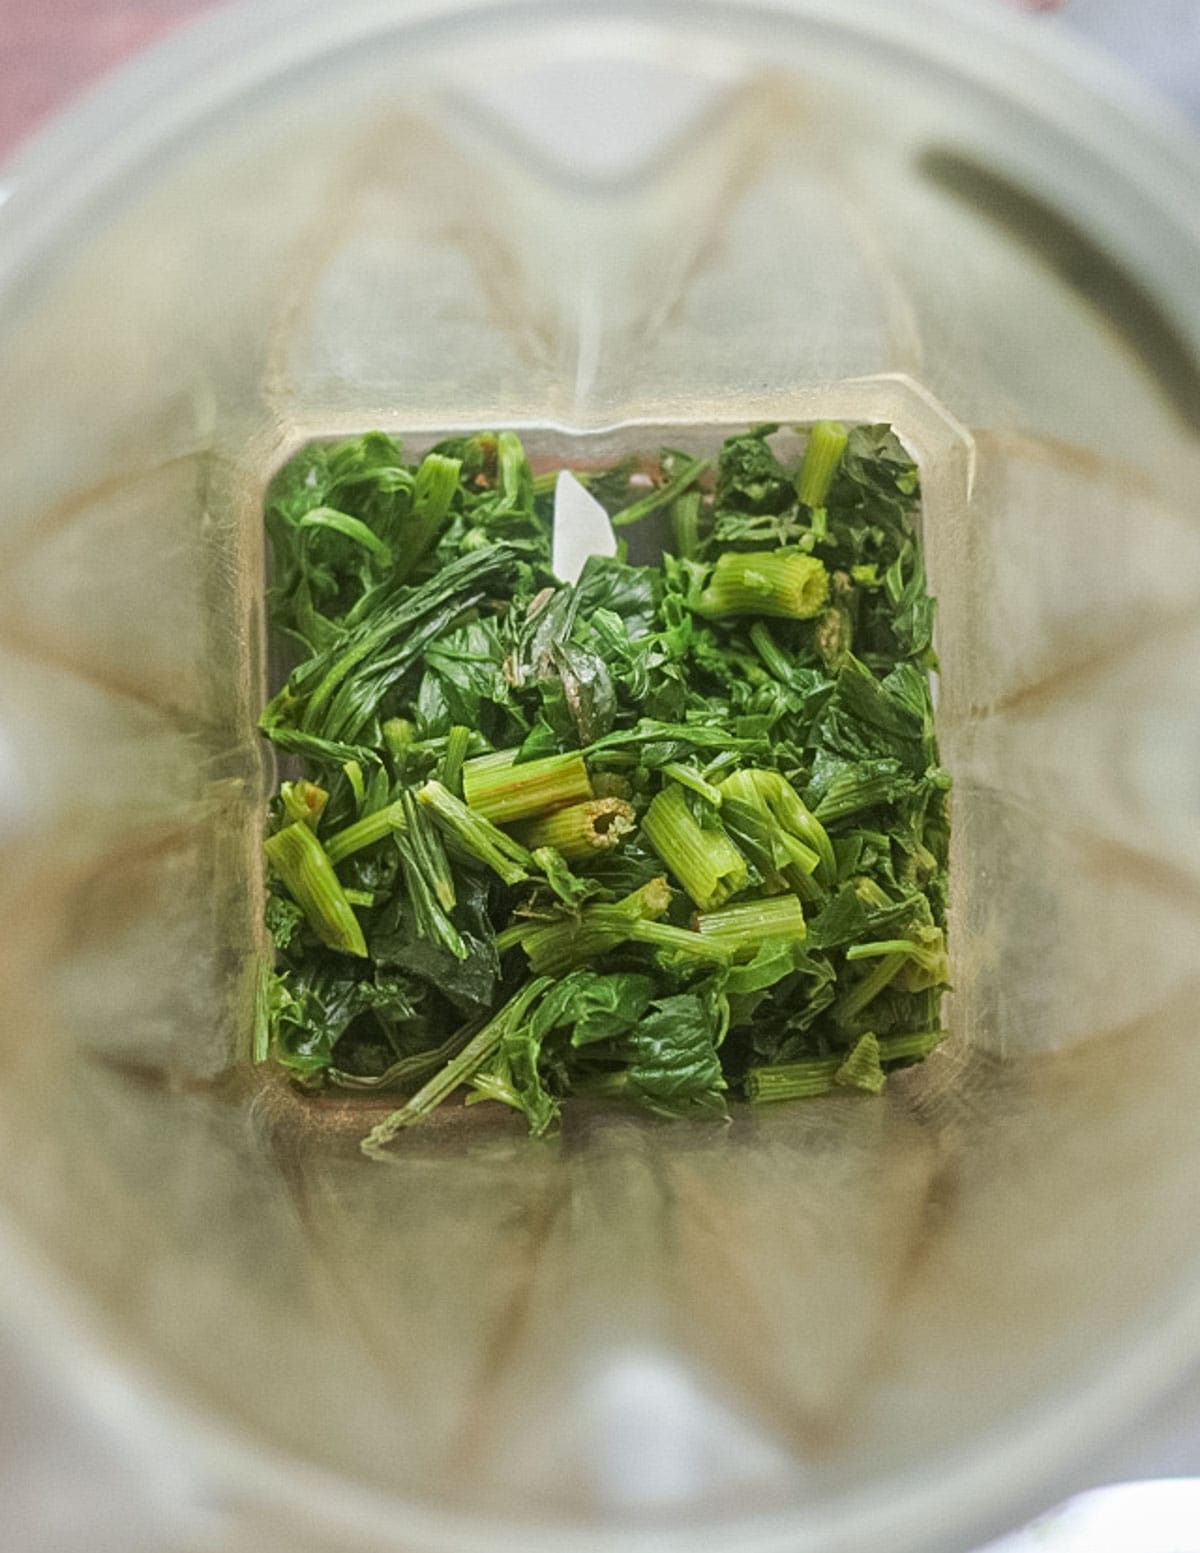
238	51
111	140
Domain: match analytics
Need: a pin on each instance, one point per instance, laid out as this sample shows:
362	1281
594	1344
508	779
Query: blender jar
832	1325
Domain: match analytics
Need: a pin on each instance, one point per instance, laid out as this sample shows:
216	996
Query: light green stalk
582	831
558	947
787	584
688	472
504	792
743	929
458	1070
458	741
365	832
801	1080
476	835
303	865
704	860
822	458
303	801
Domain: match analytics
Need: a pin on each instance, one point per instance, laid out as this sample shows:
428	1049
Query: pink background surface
51	49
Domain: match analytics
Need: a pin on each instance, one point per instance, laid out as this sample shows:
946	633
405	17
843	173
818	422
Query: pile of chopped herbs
675	832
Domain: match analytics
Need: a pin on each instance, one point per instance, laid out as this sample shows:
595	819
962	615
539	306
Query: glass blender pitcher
832	1325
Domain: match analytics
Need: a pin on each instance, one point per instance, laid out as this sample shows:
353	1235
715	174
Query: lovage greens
676	831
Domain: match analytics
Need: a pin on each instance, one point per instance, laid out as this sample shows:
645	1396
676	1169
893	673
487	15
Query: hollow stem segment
786	584
582	831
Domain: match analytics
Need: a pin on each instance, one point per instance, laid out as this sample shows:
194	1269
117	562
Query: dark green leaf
674	1067
594	1007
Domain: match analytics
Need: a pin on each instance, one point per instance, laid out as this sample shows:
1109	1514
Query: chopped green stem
863	992
899	1048
427	881
774	658
303	865
459	1069
458	741
365	832
798	857
785	583
755	833
826	445
706	863
504	792
511	937
772	792
688	472
923	859
799	1080
685	525
648	903
514	476
583	831
680	940
303	801
928	965
745	928
688	776
862	1068
360	897
425	844
805	886
558	947
884	946
872	894
792	1080
476	835
799	821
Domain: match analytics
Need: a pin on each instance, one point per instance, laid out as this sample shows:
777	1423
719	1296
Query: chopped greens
673	833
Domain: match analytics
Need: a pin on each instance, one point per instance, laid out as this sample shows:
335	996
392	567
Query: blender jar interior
601	230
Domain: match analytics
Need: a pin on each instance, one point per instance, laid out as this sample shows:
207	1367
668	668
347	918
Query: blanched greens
676	832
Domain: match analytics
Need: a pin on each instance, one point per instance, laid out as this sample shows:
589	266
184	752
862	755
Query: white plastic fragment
581	528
